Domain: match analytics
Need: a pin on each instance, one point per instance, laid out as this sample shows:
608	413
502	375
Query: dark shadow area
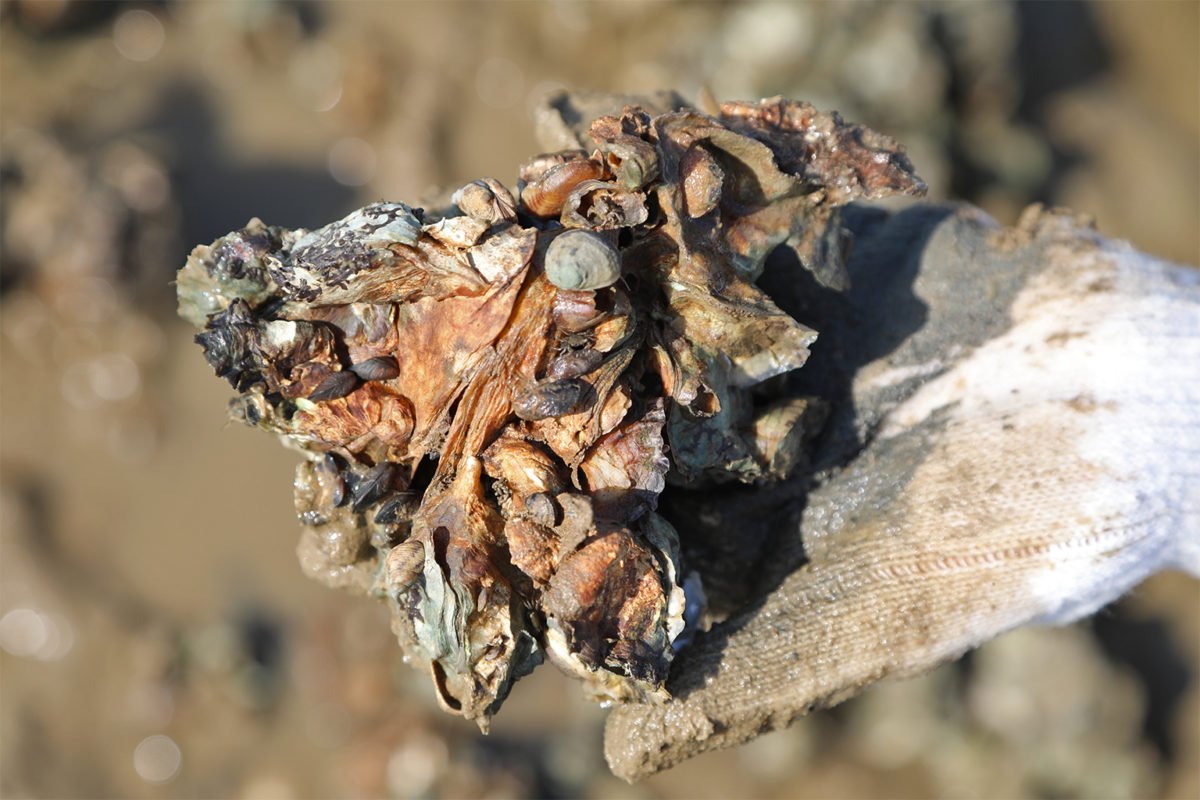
730	532
746	539
1146	648
877	314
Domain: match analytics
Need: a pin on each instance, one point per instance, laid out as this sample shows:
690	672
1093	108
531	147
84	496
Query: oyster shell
488	425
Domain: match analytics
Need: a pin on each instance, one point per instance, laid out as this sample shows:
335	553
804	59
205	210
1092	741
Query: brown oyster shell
486	451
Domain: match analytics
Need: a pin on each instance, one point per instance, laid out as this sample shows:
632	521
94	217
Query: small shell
380	368
780	431
554	399
703	180
545	196
579	260
575	312
251	408
486	200
392	523
611	332
398	508
331	487
633	161
535	168
335	385
373	486
601	205
573	363
460	233
542	509
403	565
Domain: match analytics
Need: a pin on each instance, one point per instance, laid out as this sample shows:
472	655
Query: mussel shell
335	385
373	486
545	196
573	363
380	368
554	399
398	508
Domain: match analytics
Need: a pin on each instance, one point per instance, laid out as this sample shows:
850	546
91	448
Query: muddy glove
1014	438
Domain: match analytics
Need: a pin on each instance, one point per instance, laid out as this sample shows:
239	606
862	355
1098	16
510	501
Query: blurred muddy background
157	638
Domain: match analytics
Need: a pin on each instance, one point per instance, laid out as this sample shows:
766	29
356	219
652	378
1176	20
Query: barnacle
487	398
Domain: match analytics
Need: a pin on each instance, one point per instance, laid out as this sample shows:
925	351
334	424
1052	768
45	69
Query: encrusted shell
486	200
403	564
633	161
600	205
372	487
580	259
487	400
702	181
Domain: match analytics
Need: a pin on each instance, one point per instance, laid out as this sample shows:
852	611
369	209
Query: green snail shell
581	260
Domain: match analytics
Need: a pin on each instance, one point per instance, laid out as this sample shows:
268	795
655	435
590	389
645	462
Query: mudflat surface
157	638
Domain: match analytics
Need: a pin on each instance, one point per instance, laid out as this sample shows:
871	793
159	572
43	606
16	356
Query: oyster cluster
491	400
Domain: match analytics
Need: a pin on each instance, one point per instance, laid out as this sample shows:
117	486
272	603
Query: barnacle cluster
491	400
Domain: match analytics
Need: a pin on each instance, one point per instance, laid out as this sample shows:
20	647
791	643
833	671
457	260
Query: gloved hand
1014	439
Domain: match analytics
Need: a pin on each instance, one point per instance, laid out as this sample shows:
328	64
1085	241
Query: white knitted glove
1024	407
